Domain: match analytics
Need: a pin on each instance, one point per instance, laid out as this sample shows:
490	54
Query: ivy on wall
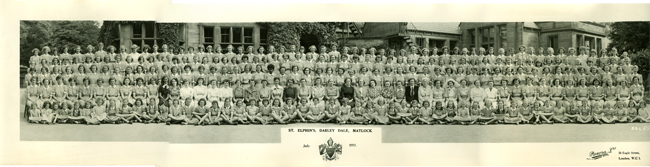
279	33
168	32
288	33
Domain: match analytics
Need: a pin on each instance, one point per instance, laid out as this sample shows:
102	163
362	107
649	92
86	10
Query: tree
630	36
37	34
33	34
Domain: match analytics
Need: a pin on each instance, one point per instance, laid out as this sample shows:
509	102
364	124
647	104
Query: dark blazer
411	94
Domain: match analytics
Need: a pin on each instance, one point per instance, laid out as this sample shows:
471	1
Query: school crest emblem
330	150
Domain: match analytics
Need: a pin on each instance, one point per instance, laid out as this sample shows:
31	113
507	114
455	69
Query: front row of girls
331	111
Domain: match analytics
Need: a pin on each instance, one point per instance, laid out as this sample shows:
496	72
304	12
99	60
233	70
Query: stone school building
393	35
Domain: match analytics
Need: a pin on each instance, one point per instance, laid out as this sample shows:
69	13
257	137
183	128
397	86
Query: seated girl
176	114
111	113
126	113
277	112
34	113
291	111
488	114
76	116
425	113
462	115
512	114
99	111
382	113
87	113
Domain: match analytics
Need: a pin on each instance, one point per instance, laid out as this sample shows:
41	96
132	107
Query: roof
443	27
531	25
360	25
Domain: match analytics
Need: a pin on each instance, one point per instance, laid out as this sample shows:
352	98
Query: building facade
392	35
198	34
533	34
401	35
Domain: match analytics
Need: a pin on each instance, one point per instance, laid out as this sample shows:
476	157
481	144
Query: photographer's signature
597	155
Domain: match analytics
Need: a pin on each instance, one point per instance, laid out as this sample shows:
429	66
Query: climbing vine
288	33
168	32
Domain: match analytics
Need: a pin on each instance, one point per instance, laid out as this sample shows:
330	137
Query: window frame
140	41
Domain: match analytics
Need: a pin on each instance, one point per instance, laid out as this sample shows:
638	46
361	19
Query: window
225	35
432	44
263	36
149	30
145	33
137	30
553	42
248	35
208	34
487	37
237	36
420	42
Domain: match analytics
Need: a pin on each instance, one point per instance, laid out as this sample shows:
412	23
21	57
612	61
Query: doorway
307	40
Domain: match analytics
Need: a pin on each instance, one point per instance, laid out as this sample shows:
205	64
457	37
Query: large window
236	36
495	36
145	33
487	37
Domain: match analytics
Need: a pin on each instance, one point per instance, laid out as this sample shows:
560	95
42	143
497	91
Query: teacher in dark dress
346	92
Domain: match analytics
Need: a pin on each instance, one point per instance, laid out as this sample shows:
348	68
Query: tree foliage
630	36
37	34
642	60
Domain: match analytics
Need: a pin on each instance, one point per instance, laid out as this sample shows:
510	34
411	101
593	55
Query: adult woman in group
477	93
346	91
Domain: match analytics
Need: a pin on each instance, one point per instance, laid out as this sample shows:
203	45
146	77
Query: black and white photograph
337	93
